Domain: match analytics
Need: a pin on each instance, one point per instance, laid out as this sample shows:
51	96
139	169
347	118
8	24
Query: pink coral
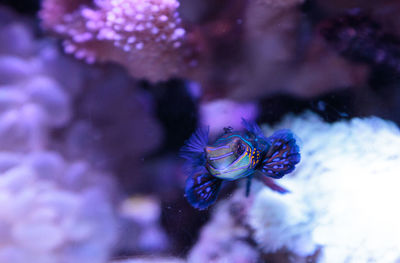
146	36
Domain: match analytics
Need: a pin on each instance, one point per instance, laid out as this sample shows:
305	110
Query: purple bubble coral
51	212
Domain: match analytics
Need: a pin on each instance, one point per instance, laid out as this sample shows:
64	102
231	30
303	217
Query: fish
235	155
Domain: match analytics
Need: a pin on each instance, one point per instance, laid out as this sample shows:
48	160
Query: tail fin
282	155
202	189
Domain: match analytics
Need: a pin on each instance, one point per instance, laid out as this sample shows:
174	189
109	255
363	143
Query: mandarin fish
235	155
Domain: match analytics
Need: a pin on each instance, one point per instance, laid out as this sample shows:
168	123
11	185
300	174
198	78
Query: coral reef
89	170
234	54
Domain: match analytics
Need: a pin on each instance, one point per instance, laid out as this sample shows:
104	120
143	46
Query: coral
276	58
358	37
342	193
250	49
151	260
31	99
272	214
146	36
53	211
141	230
224	238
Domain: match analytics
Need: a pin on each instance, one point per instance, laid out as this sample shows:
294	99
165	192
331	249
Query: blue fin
196	143
193	150
253	128
282	155
202	189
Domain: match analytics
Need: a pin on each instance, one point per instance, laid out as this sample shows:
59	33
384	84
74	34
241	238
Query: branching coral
146	36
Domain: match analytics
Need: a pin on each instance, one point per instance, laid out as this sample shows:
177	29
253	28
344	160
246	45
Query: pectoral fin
202	189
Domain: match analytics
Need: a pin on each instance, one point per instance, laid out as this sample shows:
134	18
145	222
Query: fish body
235	155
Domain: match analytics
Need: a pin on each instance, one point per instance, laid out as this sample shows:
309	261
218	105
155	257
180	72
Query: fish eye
240	148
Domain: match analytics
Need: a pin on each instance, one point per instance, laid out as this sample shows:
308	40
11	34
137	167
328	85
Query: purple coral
31	99
146	36
45	212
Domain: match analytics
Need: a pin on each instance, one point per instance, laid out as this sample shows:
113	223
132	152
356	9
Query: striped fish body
234	155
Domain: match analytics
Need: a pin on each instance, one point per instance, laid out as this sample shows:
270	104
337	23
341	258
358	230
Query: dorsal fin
193	150
196	143
252	127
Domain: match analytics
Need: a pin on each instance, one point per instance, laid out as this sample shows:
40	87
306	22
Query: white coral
223	239
344	193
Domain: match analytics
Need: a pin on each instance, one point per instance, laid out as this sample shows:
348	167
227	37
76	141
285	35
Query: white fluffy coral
344	193
224	238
